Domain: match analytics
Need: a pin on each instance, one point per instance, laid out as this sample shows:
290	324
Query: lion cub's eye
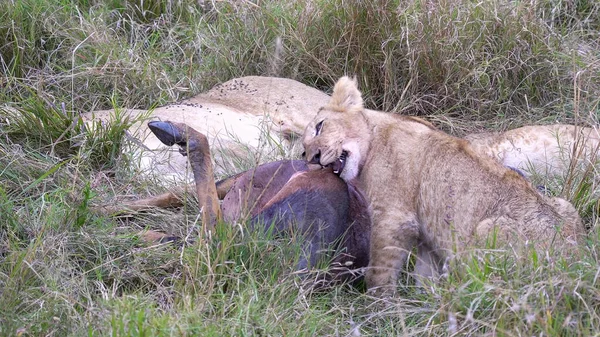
318	128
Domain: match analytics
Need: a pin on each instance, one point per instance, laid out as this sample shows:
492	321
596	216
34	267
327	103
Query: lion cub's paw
386	291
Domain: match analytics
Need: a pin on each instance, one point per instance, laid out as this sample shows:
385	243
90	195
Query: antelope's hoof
167	133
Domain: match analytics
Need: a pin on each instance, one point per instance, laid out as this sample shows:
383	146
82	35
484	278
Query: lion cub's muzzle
316	159
337	166
314	162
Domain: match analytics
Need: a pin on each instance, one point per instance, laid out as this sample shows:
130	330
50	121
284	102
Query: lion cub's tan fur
428	189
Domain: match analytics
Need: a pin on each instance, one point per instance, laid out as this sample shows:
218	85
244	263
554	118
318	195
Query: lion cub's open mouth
339	164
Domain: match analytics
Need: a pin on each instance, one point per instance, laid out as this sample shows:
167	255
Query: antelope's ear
346	96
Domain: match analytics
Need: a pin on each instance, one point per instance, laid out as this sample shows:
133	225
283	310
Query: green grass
65	270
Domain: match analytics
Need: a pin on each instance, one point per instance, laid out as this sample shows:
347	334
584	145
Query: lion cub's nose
316	159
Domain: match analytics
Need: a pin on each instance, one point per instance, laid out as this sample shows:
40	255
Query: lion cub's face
338	137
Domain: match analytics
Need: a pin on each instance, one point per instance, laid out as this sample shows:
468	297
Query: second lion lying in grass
428	190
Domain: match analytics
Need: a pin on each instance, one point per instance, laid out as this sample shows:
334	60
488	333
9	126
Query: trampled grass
66	270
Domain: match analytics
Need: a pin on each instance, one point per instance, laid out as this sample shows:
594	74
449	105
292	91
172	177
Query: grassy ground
465	65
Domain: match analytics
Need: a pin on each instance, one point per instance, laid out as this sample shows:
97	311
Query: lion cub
427	189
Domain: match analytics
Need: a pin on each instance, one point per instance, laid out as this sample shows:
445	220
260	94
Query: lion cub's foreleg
390	246
428	264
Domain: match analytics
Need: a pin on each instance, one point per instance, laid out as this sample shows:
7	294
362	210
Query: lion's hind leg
496	230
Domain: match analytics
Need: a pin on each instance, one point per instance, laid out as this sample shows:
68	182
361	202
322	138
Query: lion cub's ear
346	96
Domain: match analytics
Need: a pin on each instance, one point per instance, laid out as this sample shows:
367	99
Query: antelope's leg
165	200
173	198
224	185
194	145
